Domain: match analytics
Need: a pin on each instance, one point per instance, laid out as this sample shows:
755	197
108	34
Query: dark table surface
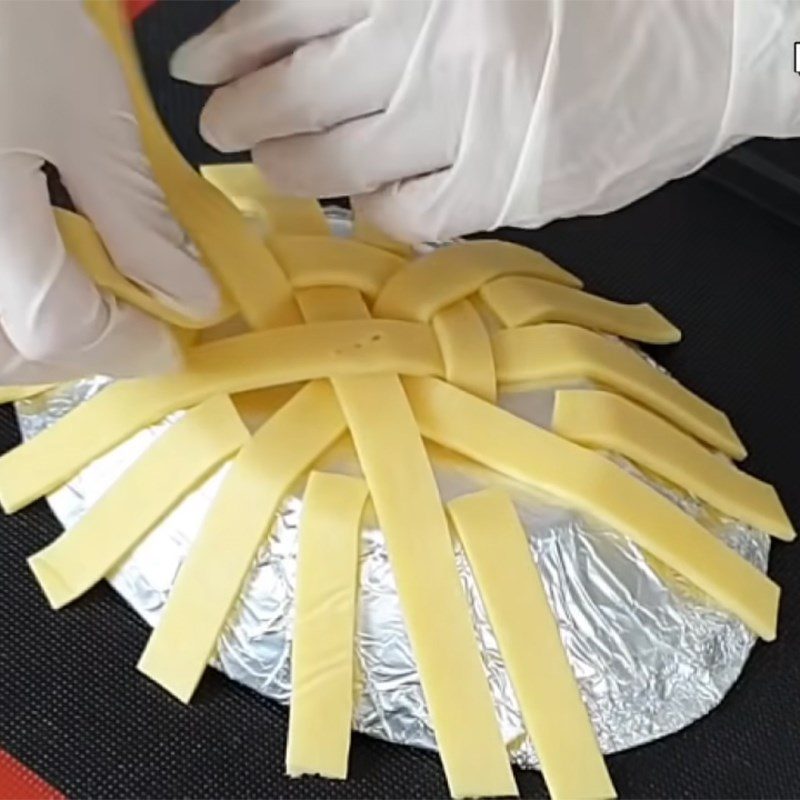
726	271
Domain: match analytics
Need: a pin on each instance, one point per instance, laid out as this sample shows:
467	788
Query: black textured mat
73	707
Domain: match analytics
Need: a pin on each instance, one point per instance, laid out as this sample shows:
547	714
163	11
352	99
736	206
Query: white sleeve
650	93
764	98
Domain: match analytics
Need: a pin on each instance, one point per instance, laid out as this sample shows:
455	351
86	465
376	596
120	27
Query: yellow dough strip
289	355
244	186
305	352
466	349
437	616
51	458
326	304
525	301
257	360
255	407
585	479
321	710
452	273
530	643
309	254
229	246
607	421
10	394
365	232
316	261
84	244
210	580
168	470
556	353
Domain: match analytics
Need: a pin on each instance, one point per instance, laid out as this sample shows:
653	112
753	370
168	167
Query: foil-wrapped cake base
650	653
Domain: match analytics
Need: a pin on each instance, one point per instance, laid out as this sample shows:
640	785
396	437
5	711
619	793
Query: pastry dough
267	358
218	563
315	261
466	349
234	252
609	422
86	247
524	301
306	352
530	643
324	626
364	231
452	273
257	406
246	188
560	353
436	613
10	394
55	455
410	513
171	467
589	482
326	304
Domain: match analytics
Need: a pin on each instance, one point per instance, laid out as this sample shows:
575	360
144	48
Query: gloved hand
445	117
63	100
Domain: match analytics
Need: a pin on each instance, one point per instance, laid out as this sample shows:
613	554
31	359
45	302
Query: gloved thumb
54	322
410	210
128	209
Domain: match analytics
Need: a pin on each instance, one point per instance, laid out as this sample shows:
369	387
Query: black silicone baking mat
727	272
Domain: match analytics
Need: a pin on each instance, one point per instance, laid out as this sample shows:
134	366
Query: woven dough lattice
365	338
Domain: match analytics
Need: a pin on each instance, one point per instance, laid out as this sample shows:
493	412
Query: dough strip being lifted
230	247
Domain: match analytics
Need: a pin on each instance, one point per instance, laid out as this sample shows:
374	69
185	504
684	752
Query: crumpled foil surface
651	654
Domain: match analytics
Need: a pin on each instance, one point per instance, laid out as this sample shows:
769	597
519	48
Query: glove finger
17	371
469	196
321	84
51	311
117	191
309	91
252	34
412	210
356	157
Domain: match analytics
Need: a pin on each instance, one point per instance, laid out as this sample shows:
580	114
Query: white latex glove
449	116
63	100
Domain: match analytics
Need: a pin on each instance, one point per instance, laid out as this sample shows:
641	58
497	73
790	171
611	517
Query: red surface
136	7
17	782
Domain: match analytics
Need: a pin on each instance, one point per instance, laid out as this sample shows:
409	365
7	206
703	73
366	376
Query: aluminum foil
650	653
